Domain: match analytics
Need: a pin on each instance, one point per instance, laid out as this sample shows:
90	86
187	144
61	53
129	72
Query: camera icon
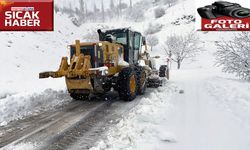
223	8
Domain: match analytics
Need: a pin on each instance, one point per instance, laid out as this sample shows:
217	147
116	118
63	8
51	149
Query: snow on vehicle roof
125	28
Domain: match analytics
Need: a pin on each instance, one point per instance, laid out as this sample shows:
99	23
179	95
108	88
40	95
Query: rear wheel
164	71
141	80
127	84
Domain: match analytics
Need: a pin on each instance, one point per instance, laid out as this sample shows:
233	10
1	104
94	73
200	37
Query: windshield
86	50
137	41
121	38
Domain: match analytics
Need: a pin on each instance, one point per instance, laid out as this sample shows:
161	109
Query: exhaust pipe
101	35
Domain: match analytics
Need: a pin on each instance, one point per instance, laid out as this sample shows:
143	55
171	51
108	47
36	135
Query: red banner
26	15
225	24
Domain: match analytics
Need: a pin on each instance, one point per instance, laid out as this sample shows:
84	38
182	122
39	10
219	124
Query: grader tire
164	71
127	84
141	80
81	97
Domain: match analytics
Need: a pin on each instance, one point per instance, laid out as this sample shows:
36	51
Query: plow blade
48	74
62	71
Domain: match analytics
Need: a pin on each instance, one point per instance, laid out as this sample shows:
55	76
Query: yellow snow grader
117	61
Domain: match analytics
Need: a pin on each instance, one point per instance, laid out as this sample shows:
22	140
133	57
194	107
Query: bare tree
123	6
81	12
234	55
119	8
71	11
182	47
152	41
95	8
86	9
103	12
112	5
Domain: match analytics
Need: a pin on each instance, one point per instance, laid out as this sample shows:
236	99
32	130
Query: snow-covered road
199	109
75	125
206	116
200	120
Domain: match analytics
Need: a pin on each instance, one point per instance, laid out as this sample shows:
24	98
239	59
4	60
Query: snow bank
144	125
22	105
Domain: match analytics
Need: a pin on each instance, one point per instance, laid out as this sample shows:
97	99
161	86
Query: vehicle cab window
137	41
121	38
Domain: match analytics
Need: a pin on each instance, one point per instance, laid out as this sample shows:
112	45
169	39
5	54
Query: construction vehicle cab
131	41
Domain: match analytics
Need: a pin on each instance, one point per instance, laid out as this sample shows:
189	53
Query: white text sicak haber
19	18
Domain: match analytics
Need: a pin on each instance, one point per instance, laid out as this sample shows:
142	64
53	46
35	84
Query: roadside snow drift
19	106
144	126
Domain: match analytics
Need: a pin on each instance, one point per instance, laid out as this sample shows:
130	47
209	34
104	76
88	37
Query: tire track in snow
78	125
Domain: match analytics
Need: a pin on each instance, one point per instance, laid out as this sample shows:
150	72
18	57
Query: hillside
199	108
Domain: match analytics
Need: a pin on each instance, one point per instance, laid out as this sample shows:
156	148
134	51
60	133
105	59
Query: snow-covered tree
234	55
181	47
152	41
159	12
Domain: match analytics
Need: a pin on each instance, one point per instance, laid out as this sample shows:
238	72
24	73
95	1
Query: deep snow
22	56
212	114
